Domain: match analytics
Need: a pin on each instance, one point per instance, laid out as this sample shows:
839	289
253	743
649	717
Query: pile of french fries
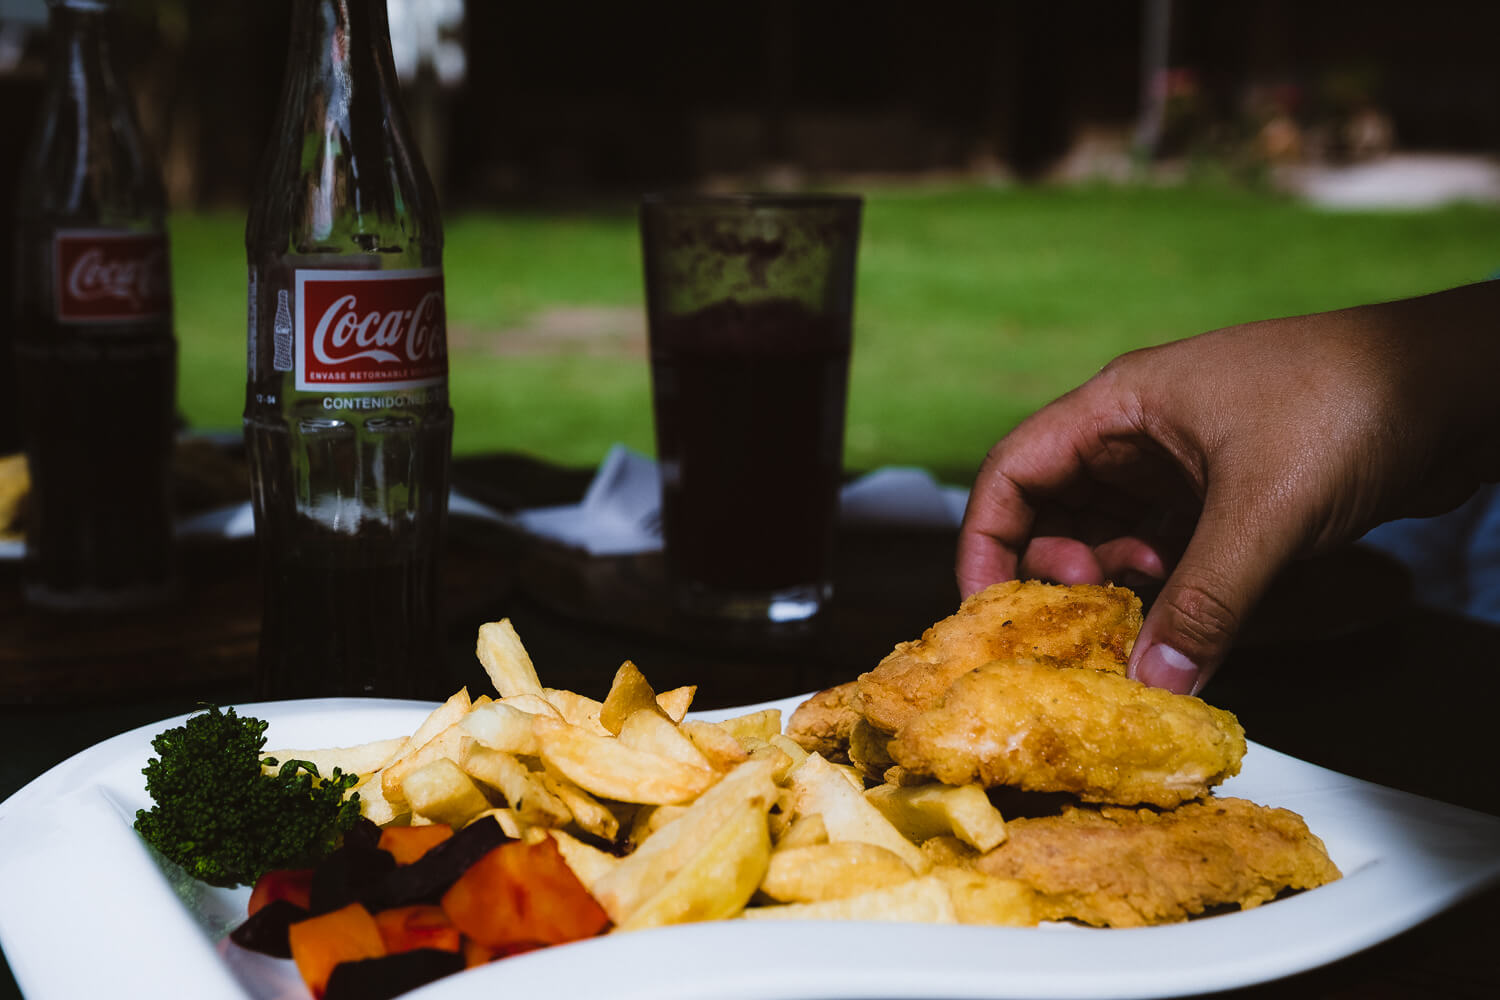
668	820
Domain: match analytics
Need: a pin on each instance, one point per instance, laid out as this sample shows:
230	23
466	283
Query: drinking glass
750	302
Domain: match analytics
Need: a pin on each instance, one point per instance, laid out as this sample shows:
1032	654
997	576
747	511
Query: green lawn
975	306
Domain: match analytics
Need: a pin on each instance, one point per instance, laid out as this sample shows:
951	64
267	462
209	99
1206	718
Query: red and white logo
364	330
110	276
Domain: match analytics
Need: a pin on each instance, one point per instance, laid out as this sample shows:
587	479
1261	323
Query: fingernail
1162	666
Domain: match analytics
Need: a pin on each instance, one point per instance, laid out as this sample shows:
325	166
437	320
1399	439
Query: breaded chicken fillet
1080	626
1102	737
1131	867
823	723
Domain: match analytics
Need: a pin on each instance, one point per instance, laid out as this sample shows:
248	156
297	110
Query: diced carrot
477	954
322	942
404	928
521	894
408	843
291	884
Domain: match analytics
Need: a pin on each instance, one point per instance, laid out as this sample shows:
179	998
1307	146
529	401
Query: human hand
1212	462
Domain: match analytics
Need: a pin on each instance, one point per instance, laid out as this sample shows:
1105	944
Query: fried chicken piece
823	723
1131	867
1043	728
1078	626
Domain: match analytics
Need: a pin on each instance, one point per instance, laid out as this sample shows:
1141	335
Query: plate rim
805	971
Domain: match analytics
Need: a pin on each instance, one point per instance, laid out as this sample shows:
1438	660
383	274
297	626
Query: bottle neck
342	175
343	51
81	66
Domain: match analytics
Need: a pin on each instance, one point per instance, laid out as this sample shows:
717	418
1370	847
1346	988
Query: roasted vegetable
320	944
225	820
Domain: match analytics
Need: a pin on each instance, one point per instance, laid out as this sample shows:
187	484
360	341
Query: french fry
629	693
781	761
446	744
440	718
718	880
790	747
821	787
782	812
365	758
441	792
510	823
651	731
640	873
609	769
984	899
532	704
764	724
832	871
924	811
576	709
677	701
589	813
502	727
803	831
588	862
919	900
649	819
719	748
522	790
375	807
505	660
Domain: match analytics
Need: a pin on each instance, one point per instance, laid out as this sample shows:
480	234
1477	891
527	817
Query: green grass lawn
974	306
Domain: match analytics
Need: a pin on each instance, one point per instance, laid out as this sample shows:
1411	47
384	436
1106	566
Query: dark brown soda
350	602
749	408
99	446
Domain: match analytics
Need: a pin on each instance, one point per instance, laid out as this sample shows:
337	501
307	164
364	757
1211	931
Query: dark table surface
1342	670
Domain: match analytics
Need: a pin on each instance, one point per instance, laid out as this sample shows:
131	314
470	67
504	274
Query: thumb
1203	604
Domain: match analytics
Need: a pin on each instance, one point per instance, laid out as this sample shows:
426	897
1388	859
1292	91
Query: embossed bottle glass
347	418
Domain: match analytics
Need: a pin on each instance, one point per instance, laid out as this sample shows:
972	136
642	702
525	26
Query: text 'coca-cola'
358	331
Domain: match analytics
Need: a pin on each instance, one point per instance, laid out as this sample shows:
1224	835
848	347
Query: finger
1039	460
1121	558
1225	569
1060	560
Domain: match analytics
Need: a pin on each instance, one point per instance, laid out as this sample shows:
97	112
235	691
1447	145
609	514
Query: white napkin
621	512
238	520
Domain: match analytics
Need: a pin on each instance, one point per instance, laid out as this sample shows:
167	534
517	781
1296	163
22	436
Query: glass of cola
750	303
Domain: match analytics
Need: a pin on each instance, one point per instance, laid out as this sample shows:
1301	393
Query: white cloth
621	512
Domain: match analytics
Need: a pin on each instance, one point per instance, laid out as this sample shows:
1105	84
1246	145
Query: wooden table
1347	673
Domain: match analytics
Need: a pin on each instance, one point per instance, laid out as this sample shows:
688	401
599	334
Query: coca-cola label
104	275
358	331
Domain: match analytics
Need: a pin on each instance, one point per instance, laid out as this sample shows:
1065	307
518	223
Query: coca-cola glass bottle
346	407
96	360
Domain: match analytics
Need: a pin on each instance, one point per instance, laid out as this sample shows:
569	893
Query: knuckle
1202	620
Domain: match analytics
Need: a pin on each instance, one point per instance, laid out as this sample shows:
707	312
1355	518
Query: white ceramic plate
87	910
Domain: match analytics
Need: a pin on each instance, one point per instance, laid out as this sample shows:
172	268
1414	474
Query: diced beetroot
320	943
407	928
347	875
522	894
408	843
391	975
291	884
426	879
266	929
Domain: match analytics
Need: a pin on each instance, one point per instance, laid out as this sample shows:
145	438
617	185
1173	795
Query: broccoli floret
224	819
